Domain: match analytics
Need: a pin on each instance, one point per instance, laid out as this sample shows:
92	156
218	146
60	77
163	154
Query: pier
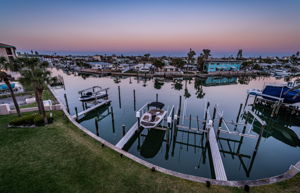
215	154
127	136
102	103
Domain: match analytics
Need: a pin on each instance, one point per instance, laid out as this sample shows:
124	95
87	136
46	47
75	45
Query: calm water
188	152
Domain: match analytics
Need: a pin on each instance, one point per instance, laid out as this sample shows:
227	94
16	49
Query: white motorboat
153	116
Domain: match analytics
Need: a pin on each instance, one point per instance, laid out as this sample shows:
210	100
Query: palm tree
178	63
201	59
239	54
4	65
35	73
158	63
191	55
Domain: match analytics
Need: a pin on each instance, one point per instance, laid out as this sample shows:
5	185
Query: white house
101	65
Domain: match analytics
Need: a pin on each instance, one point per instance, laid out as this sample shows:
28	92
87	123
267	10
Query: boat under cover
289	96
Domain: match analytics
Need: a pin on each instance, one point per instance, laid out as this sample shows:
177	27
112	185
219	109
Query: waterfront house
101	65
7	51
217	65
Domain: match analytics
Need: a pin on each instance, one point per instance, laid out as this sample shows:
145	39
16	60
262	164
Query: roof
6	46
222	60
156	104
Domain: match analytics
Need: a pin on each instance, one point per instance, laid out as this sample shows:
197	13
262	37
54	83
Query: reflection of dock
127	136
102	103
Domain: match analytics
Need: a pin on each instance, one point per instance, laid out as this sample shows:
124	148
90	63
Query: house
217	65
100	65
143	67
7	51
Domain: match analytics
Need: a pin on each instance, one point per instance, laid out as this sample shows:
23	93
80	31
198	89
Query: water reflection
152	143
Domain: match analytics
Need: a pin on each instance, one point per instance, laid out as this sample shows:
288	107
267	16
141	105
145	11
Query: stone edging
293	170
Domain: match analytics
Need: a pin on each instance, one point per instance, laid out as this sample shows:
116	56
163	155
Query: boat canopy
156	104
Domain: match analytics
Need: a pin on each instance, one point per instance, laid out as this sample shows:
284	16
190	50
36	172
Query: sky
166	27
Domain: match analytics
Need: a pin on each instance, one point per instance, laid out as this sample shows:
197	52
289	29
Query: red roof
6	46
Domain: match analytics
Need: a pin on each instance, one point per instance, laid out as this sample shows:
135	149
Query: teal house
222	65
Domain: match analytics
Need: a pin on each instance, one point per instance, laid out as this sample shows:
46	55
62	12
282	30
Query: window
8	51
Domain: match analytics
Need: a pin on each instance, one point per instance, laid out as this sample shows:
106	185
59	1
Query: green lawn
61	158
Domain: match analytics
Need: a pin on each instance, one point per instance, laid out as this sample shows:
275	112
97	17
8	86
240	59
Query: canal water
184	151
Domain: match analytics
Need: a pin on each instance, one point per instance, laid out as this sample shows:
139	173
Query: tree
158	63
206	53
178	62
191	55
35	73
297	54
4	65
202	58
239	54
158	84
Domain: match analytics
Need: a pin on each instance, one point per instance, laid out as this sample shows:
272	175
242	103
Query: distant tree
202	58
297	54
191	55
5	65
36	53
178	62
239	54
206	53
158	63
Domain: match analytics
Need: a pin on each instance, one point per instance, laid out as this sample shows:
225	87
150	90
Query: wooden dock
127	136
215	154
104	102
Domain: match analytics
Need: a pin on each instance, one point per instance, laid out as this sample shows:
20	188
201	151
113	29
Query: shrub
29	120
25	120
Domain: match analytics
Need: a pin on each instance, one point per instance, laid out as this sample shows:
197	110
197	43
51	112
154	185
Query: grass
61	158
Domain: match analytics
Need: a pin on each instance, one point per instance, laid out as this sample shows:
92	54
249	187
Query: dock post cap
138	114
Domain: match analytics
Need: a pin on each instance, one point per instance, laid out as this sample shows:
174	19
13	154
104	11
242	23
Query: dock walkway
215	154
104	102
127	136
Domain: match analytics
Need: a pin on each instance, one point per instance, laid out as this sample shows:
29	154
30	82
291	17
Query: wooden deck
216	156
127	136
92	108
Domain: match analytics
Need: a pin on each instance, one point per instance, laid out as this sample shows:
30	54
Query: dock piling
119	92
124	129
134	100
97	127
67	104
76	112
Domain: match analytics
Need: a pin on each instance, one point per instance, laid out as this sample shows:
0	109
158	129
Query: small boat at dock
153	116
93	93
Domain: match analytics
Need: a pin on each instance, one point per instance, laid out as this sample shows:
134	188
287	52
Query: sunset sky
168	26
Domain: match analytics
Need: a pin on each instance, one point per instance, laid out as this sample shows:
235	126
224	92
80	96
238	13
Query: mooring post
190	123
220	125
205	118
198	123
97	127
246	102
119	92
83	106
179	111
67	104
123	128
214	114
76	112
238	116
156	97
134	100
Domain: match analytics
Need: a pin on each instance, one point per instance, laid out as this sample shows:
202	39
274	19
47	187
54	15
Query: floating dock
102	103
127	136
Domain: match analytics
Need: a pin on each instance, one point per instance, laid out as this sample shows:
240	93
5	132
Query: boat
153	116
276	92
93	93
281	73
